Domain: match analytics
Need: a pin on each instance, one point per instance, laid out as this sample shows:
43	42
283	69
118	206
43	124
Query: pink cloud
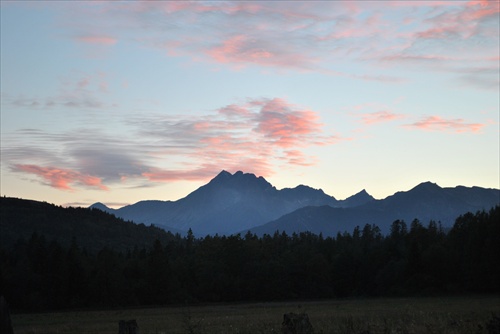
380	116
272	128
416	59
440	32
287	127
298	36
200	7
234	110
251	135
102	40
462	23
403	3
256	135
296	157
230	50
482	3
242	50
436	123
481	9
61	178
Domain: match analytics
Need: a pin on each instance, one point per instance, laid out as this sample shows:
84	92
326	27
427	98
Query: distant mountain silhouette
102	207
236	203
426	202
229	203
356	200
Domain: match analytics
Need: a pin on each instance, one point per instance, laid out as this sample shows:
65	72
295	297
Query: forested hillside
92	229
416	258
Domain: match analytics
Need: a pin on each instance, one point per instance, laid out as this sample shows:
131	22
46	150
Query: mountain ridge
240	202
227	204
424	202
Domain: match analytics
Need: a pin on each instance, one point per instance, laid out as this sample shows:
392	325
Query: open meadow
386	315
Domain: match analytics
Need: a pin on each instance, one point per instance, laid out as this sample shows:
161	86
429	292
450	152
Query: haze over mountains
239	202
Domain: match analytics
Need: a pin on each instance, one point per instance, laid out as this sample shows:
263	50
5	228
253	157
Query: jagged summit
222	175
240	180
357	199
235	203
304	187
428	185
229	203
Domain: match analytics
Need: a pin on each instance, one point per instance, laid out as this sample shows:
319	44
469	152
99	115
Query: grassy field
410	315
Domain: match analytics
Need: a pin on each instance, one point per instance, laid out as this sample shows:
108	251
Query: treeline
95	229
414	259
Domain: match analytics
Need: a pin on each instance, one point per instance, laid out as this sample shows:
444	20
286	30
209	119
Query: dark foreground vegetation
95	229
38	274
415	315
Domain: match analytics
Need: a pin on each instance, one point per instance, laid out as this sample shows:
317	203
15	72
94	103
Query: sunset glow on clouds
61	178
104	40
436	123
258	133
134	99
380	116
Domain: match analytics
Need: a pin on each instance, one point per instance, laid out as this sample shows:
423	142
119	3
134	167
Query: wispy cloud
453	37
61	179
285	125
256	135
76	91
485	77
296	157
248	135
371	113
96	39
380	116
244	50
436	123
78	158
300	36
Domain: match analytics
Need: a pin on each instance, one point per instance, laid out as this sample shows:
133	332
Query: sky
118	102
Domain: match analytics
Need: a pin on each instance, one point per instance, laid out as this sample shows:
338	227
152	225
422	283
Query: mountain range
241	202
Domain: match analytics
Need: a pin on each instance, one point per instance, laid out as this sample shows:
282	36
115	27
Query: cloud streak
80	91
380	116
257	135
248	135
437	123
94	39
61	179
300	36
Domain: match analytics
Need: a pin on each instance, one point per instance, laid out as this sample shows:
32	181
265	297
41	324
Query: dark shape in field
128	327
5	322
493	325
296	324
